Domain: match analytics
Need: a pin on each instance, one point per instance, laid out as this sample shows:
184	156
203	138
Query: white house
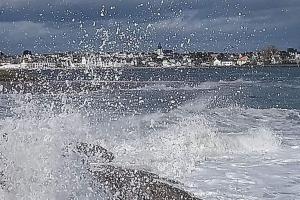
275	60
166	63
297	58
228	63
205	64
152	64
217	62
83	61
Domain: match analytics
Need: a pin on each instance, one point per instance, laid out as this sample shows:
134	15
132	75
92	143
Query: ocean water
224	133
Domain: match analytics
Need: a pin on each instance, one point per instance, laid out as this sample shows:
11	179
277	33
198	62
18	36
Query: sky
139	25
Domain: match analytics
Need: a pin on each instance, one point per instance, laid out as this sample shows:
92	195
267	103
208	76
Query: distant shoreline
6	68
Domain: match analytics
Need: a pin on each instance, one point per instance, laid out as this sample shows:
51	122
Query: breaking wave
176	149
171	144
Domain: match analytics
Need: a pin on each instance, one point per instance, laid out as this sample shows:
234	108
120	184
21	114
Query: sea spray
34	166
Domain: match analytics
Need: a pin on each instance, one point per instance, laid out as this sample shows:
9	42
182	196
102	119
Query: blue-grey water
224	133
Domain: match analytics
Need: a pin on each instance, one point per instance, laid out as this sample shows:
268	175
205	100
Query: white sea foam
177	149
207	85
163	87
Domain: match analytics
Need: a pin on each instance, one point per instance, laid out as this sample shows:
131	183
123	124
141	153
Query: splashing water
34	166
183	143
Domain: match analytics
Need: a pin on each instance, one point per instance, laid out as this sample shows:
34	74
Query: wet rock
3	180
121	183
3	161
90	152
3	175
4	138
128	184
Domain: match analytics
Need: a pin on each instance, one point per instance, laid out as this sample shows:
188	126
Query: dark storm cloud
48	25
54	10
51	10
35	10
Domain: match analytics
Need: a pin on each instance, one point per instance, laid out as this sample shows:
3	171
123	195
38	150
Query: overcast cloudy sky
133	25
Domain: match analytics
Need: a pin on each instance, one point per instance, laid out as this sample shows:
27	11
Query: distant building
275	60
166	63
83	61
217	62
37	65
243	60
160	51
168	52
292	51
228	63
297	58
27	52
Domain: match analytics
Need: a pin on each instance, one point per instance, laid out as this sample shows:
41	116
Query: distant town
158	58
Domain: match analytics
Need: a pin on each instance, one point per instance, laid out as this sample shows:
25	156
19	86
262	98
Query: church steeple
159	50
159	46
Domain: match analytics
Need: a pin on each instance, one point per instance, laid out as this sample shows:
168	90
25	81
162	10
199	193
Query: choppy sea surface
224	133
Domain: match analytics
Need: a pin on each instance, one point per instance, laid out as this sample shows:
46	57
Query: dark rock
89	152
3	180
3	167
127	184
5	137
3	161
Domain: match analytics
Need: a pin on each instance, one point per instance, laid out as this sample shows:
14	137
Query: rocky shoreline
127	184
117	182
